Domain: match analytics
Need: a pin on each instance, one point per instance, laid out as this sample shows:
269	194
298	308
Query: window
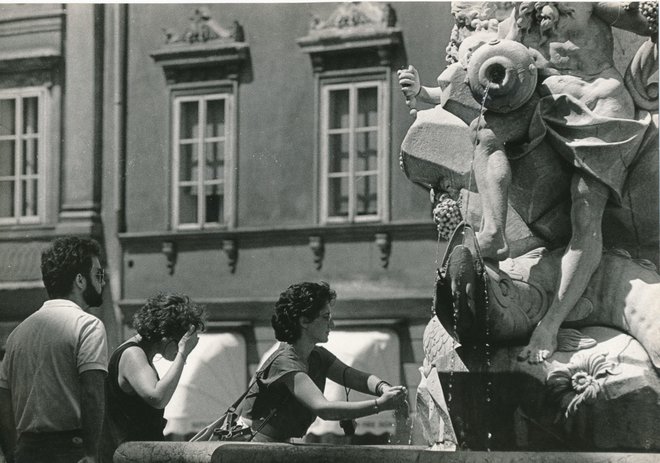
22	132
202	149
353	153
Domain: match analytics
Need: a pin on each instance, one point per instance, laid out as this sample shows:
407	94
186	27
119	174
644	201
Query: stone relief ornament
359	33
202	28
357	14
579	382
203	51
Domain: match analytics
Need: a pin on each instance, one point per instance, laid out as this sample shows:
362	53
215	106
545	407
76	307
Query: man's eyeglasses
100	275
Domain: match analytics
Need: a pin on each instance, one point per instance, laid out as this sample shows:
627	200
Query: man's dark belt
74	435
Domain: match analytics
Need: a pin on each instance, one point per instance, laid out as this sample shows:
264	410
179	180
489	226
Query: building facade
224	151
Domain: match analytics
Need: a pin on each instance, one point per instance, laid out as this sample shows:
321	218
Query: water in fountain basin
403	426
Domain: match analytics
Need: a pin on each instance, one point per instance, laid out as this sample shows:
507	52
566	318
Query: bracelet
376	406
380	385
418	91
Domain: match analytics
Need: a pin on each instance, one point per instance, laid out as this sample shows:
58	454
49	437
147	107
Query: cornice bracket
231	250
384	244
318	250
168	248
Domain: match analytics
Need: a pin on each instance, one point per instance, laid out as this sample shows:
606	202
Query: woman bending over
288	395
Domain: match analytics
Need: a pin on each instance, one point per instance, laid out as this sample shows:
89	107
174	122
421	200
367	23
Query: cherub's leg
579	262
493	176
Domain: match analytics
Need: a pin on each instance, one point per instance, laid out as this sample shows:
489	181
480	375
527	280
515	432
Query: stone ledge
240	452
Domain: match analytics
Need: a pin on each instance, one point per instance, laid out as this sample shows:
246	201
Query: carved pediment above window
357	14
363	30
29	60
203	51
29	68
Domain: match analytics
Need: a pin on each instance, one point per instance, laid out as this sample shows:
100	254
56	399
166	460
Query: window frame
352	84
43	104
228	181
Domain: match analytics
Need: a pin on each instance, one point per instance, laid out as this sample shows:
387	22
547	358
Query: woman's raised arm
134	368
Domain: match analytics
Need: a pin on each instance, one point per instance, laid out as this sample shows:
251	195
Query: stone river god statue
562	148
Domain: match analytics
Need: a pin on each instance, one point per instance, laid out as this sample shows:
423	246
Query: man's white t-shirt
45	355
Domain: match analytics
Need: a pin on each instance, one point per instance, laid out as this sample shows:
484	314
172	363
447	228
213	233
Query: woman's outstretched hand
188	341
392	397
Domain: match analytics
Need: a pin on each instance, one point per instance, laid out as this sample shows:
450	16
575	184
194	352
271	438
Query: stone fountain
537	86
549	155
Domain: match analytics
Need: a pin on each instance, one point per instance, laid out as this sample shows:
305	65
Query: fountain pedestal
618	408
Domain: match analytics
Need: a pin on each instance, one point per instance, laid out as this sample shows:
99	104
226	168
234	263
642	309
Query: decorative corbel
318	249
230	248
169	249
384	244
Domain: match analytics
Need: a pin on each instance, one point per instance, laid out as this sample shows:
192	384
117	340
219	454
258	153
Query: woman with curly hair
135	396
287	395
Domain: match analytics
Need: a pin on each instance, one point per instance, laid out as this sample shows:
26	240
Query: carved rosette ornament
579	382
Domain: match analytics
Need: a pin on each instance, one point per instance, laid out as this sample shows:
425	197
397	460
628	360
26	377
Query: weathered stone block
511	403
456	96
243	452
437	149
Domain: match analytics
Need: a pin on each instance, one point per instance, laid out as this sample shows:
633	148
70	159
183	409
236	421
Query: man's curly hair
63	260
167	316
299	300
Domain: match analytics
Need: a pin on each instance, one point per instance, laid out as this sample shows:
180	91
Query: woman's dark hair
63	260
167	316
299	300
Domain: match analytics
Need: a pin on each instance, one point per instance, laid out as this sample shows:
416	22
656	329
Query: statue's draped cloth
604	147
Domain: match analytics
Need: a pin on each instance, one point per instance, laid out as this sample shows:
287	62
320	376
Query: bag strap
232	408
257	377
273	412
207	432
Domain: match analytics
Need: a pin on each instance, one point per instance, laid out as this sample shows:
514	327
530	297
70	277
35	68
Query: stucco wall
276	111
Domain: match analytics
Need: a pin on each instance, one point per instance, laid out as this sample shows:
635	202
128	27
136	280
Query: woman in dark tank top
135	396
288	393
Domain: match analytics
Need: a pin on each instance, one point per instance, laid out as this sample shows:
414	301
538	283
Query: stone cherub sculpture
581	107
520	291
481	303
